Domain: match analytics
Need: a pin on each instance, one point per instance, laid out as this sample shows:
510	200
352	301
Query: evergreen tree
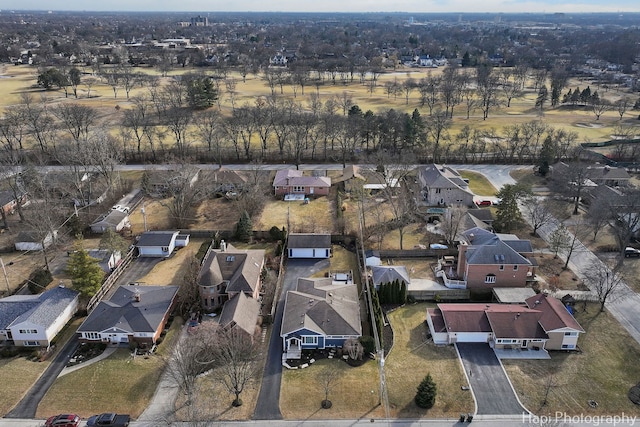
86	274
201	93
508	213
244	227
466	60
543	95
403	293
426	395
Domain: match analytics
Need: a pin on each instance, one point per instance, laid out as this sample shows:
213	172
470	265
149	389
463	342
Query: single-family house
543	324
108	260
388	274
309	245
596	174
35	320
226	180
9	202
292	181
319	313
228	271
114	220
34	241
134	314
487	260
162	182
443	186
156	243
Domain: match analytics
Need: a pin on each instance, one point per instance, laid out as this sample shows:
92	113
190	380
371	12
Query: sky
411	6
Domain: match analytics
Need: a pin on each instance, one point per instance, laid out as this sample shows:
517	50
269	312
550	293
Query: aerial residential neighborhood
319	219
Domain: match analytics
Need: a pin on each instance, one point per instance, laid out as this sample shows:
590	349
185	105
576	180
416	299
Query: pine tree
86	274
426	395
244	227
403	293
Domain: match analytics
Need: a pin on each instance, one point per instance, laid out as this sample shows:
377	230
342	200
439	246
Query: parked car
120	208
109	419
631	252
63	420
483	203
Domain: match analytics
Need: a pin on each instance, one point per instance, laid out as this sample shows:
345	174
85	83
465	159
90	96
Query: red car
483	203
63	420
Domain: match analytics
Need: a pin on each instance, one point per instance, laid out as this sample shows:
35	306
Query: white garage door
300	253
472	337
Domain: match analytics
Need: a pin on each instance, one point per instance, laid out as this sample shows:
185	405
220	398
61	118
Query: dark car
631	252
63	420
109	419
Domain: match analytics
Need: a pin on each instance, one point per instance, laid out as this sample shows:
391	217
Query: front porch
521	353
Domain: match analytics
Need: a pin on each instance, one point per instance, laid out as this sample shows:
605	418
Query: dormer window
230	258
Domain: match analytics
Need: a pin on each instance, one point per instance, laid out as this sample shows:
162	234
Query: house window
310	340
568	346
31	343
230	258
490	278
501	268
165	249
570	334
515	268
28	331
438	190
92	335
298	189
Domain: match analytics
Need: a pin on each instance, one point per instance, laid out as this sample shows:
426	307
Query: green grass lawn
412	358
119	383
604	370
478	184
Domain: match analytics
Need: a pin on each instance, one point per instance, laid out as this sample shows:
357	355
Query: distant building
200	21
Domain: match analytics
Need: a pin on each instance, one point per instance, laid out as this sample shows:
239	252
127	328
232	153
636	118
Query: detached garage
309	245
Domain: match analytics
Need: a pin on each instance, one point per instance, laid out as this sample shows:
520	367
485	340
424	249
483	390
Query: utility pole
6	278
144	216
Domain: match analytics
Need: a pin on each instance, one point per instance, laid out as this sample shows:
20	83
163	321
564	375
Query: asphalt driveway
268	404
489	382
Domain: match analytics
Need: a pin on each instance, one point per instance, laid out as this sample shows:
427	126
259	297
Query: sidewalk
106	353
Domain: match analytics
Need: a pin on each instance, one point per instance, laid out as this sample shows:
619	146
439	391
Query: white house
115	220
35	320
157	243
108	260
309	245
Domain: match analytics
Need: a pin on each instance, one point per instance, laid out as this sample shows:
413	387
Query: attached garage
307	245
469	337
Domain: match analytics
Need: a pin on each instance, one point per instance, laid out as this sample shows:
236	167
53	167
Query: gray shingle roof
486	247
241	269
309	240
323	307
156	238
113	218
290	177
123	312
241	310
387	274
42	309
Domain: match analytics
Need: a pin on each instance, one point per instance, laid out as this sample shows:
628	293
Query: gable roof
389	273
241	269
157	238
486	247
441	176
289	177
515	321
309	240
122	311
465	317
114	217
242	311
554	314
42	309
321	306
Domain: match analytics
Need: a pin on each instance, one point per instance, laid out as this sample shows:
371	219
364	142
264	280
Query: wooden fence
110	281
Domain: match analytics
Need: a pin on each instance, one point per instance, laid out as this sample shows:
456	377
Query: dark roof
157	238
465	317
28	236
483	215
42	309
6	197
321	306
518	322
240	268
124	312
389	273
309	240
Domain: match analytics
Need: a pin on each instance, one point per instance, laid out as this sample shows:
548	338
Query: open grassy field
478	184
604	370
119	383
314	217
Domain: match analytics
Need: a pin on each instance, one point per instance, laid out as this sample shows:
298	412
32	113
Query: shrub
426	395
368	343
39	280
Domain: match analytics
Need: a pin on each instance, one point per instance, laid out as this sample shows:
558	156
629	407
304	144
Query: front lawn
478	183
603	371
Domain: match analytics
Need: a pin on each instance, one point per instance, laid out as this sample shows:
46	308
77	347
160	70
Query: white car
120	208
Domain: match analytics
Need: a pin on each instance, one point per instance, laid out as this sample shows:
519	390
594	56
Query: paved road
268	404
491	387
27	407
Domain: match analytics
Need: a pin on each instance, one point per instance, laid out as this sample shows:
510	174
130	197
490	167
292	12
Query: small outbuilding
157	243
32	241
309	245
115	220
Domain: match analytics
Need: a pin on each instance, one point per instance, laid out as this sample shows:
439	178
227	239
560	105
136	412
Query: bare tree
559	240
451	223
624	220
622	105
104	156
571	180
599	105
354	348
188	294
537	212
38	121
327	378
236	356
606	283
183	193
76	119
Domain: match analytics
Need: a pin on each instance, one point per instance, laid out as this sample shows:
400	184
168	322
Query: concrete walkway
106	353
